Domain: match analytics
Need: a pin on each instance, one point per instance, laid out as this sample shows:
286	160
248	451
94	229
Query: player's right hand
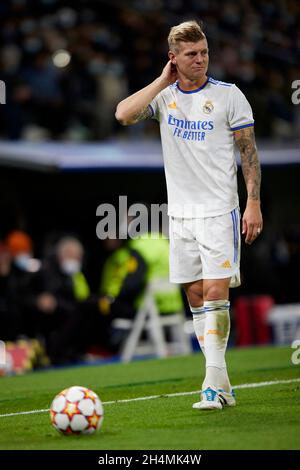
169	74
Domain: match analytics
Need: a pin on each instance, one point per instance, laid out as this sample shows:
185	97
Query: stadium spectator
58	290
10	318
254	44
47	103
20	246
23	267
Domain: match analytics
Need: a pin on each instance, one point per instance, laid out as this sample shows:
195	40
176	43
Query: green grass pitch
266	417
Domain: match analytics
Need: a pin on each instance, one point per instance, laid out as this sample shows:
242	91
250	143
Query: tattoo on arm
245	140
144	113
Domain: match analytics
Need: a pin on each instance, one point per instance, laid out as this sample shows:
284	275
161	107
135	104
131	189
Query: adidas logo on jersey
226	264
172	105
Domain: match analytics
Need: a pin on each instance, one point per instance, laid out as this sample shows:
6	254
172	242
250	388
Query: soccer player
201	120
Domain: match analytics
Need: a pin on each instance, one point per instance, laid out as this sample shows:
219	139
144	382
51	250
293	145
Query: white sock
199	325
224	381
216	333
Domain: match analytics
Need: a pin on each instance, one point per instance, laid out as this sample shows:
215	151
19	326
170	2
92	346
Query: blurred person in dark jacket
9	313
47	107
23	267
59	292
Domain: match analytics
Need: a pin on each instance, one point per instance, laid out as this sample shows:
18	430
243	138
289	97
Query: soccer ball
76	410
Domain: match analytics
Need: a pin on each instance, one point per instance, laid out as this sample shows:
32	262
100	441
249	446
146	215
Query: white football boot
209	400
227	398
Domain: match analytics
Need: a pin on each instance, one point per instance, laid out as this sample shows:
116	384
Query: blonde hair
189	31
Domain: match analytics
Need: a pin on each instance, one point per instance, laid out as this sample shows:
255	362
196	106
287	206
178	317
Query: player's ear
172	57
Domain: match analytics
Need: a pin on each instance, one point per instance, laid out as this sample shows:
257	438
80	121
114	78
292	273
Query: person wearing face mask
10	318
23	268
20	246
60	291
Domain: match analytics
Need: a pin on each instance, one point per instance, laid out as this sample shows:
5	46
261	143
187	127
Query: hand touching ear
169	73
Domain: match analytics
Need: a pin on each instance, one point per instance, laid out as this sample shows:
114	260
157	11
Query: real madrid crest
208	107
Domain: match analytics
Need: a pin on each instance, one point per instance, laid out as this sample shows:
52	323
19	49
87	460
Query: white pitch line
32	412
169	395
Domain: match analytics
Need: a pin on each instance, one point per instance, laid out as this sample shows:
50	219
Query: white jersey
198	146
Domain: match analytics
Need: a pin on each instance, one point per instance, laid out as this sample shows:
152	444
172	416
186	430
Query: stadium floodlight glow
61	58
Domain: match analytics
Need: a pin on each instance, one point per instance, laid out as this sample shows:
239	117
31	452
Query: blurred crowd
53	299
66	64
50	300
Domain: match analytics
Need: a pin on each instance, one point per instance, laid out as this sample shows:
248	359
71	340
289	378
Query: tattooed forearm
245	140
144	113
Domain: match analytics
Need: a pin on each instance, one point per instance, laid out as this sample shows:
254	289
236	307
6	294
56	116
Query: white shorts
205	248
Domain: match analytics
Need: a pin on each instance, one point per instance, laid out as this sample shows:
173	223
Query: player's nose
199	58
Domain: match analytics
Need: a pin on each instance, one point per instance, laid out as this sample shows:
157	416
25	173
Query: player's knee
215	292
194	294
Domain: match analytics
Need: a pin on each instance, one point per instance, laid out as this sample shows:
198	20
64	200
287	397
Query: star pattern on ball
52	415
93	420
89	394
71	409
70	431
76	410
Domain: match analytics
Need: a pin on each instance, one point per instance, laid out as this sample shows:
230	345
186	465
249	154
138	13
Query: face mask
70	266
22	262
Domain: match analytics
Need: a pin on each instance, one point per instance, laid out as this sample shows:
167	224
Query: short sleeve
154	107
239	111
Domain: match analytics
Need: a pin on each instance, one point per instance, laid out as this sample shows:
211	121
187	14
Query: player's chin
198	74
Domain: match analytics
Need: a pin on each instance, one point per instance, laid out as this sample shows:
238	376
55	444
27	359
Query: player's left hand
252	222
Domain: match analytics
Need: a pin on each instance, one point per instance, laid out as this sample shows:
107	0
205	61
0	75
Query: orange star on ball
89	394
71	410
93	420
